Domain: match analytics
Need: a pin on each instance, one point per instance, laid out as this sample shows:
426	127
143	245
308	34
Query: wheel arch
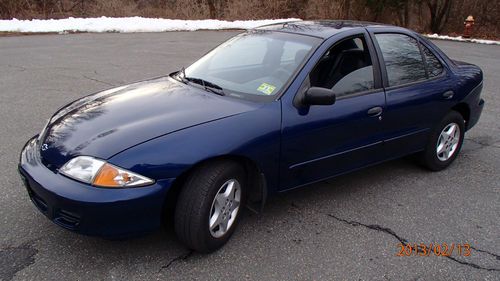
256	180
464	110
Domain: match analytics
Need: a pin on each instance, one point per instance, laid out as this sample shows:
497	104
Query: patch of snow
140	24
461	39
126	25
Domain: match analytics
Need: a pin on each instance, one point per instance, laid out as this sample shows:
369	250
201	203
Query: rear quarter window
434	66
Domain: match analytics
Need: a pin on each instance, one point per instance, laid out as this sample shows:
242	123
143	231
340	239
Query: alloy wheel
448	141
225	208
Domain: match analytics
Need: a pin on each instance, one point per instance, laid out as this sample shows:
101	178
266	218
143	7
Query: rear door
417	84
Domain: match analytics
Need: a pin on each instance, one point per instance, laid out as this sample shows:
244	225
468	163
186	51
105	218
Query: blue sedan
272	109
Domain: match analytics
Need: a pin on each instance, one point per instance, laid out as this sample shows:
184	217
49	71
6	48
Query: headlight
99	173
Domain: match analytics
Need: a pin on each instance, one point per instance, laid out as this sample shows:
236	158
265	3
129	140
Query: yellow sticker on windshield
266	88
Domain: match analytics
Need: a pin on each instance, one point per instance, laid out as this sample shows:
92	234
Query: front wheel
444	143
210	205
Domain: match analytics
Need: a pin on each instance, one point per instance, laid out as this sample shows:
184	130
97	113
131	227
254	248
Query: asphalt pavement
347	228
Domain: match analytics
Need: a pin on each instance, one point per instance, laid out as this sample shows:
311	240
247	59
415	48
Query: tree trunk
211	9
440	12
407	14
347	6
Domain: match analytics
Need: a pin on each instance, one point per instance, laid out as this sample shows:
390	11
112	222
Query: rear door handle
448	95
375	111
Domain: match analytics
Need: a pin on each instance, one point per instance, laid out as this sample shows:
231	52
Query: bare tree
347	7
376	7
216	8
440	12
404	13
399	7
212	9
296	8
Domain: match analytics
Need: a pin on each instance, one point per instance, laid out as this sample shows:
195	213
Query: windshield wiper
207	85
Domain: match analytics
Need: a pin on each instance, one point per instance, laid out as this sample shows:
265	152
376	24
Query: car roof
321	28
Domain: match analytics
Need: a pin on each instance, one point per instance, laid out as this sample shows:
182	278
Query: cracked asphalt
346	228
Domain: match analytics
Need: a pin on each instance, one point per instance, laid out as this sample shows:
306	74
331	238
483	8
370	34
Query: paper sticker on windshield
266	88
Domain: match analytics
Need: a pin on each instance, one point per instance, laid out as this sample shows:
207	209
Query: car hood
111	121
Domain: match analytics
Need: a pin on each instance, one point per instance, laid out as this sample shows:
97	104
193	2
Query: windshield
253	65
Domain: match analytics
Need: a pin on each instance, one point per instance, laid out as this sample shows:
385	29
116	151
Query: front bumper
111	213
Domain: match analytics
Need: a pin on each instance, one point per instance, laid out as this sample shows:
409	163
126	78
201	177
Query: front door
321	141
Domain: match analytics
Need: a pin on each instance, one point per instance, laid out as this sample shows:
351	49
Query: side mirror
319	96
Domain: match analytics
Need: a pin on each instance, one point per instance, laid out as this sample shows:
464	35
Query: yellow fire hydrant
468	27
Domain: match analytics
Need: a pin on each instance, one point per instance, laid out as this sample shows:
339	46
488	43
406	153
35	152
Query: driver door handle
375	111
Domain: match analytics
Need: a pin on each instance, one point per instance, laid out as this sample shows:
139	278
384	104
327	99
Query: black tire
429	157
195	202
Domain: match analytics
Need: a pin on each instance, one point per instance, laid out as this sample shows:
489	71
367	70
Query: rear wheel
445	142
210	205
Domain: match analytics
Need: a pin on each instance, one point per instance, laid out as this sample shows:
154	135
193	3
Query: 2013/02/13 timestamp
425	250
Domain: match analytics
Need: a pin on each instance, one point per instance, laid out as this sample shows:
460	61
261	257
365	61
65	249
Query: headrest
300	55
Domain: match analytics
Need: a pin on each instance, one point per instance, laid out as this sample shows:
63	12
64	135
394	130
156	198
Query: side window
434	67
403	60
346	68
